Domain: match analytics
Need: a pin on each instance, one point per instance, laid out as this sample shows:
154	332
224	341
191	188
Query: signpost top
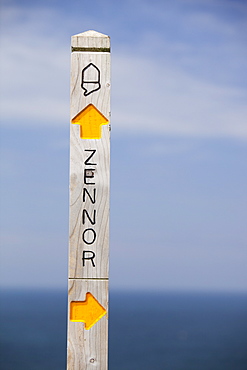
90	41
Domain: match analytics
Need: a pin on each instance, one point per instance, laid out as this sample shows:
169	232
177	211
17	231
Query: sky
178	143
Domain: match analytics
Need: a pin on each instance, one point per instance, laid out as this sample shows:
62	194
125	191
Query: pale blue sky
179	141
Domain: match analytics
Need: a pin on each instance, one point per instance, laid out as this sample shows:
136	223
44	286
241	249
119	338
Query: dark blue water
146	331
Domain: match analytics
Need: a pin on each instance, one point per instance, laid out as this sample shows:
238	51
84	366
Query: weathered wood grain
87	349
101	206
89	201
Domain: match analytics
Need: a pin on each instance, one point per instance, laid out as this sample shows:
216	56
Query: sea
147	330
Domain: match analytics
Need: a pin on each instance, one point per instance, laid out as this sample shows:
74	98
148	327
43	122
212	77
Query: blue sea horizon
147	330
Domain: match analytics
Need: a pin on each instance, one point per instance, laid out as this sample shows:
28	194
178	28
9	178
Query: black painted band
102	50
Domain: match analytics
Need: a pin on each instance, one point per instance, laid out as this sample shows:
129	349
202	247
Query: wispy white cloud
35	71
162	82
155	97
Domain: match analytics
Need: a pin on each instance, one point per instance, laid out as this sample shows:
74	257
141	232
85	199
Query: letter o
89	239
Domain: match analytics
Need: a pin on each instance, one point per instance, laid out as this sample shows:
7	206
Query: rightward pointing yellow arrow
90	119
89	311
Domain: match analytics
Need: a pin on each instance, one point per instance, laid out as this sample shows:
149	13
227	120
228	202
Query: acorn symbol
90	79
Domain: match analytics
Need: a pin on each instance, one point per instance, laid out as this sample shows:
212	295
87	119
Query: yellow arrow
90	119
89	311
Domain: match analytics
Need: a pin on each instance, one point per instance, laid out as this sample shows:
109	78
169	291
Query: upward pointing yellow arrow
90	119
89	311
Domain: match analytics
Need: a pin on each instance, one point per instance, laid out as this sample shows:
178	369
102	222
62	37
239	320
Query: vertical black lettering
88	159
88	255
92	198
85	213
87	238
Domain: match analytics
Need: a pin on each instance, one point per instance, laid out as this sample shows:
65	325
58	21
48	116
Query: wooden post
89	202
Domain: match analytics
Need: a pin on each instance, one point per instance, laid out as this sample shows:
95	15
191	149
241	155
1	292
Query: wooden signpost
89	202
